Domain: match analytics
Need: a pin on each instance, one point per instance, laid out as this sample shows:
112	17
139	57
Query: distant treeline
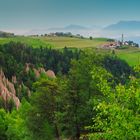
5	34
61	34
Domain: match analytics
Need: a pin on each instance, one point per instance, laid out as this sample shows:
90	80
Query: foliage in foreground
99	98
118	114
13	125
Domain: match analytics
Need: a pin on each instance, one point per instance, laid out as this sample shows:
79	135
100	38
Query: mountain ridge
124	25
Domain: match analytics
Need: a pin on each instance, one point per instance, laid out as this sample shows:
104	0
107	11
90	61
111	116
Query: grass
130	55
61	42
35	42
57	42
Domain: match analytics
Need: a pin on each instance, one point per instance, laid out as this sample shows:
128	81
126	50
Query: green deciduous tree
118	113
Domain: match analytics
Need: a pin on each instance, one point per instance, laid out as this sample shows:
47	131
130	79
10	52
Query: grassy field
57	42
61	42
130	55
35	42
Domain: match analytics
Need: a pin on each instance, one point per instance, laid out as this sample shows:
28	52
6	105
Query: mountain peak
77	27
124	25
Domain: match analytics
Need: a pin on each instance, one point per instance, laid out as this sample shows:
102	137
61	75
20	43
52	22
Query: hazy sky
33	14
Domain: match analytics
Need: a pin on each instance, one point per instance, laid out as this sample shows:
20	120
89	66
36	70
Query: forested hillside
48	94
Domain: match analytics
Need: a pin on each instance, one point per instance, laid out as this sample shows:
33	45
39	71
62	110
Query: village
117	44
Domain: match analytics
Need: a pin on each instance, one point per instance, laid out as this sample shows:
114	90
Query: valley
69	70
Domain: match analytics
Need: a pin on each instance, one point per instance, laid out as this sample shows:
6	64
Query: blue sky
33	14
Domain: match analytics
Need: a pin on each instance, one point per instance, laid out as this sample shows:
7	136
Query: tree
16	123
42	120
3	125
78	94
118	113
90	37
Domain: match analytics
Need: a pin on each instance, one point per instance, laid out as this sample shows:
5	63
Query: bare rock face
38	71
28	66
42	70
50	74
14	79
7	90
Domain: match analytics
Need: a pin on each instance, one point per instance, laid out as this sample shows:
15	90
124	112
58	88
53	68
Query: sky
39	14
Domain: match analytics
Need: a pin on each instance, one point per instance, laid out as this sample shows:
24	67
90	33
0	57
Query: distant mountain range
75	27
120	26
124	25
69	28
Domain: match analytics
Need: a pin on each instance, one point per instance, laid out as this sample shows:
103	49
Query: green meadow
57	42
35	42
130	55
72	42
